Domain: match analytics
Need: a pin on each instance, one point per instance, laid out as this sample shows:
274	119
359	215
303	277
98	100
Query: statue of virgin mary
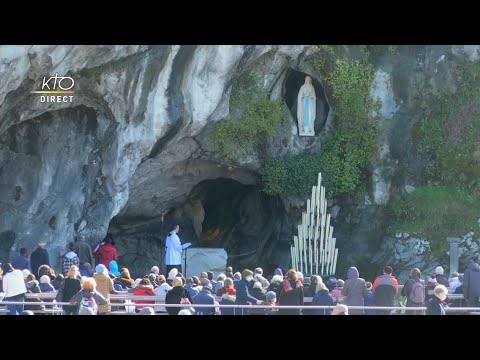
306	108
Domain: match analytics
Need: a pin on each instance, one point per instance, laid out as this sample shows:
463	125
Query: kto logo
60	86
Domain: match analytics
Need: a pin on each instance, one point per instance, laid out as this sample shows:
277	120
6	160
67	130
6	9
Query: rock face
134	144
199	259
125	145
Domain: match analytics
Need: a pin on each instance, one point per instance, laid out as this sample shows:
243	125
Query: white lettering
52	98
42	98
72	82
45	83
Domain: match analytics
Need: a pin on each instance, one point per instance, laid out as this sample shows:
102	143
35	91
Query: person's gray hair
277	278
440	289
257	285
259	271
237	276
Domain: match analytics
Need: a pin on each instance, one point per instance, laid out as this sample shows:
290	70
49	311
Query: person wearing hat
155	270
114	268
205	297
353	290
38	258
45	284
104	286
271	300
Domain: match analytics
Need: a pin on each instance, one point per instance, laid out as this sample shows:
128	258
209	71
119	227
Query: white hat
155	270
136	282
300	275
45	279
26	272
439	270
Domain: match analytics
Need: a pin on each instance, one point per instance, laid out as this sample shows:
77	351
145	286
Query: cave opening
246	222
293	81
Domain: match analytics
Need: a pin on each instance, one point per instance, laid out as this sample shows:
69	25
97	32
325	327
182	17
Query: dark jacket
322	298
57	283
174	296
354	290
68	289
292	297
274	287
204	297
471	283
84	252
443	280
309	290
38	258
243	295
21	263
86	270
33	288
435	306
46	288
385	288
258	294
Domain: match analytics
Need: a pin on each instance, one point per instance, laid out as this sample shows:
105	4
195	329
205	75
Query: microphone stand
185	262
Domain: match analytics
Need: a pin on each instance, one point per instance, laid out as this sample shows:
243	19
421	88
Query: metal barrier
235	306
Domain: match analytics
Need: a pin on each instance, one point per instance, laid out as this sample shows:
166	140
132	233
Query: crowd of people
88	287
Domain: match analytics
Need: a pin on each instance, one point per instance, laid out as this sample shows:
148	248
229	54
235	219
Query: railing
422	309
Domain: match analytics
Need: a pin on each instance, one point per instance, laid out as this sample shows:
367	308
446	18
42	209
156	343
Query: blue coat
243	295
322	298
21	263
204	297
369	299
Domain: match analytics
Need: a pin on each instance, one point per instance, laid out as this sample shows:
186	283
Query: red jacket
223	290
107	253
143	290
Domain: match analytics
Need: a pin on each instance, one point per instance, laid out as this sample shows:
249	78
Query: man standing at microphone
173	250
